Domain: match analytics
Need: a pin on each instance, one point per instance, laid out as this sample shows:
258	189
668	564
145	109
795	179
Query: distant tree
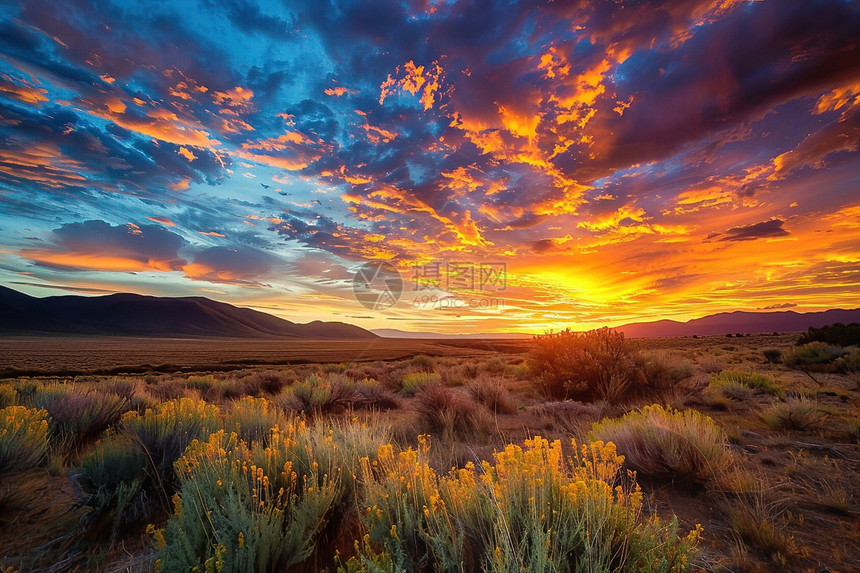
837	334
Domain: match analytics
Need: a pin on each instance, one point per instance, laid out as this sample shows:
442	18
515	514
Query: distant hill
740	322
396	333
136	315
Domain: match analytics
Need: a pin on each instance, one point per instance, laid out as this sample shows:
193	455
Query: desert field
567	453
74	355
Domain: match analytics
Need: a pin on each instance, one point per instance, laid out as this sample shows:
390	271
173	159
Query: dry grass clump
79	414
666	443
371	395
23	438
493	393
573	418
451	414
269	382
758	519
318	394
665	376
711	364
795	414
742	386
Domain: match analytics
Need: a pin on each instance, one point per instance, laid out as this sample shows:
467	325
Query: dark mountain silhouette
136	315
740	322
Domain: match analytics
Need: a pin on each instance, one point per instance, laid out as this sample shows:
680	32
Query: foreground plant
23	438
249	507
531	510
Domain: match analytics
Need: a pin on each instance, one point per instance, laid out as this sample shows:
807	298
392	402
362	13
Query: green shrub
587	366
667	443
129	477
811	354
113	477
164	432
414	381
23	438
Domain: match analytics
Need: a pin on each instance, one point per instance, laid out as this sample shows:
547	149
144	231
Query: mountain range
740	322
128	314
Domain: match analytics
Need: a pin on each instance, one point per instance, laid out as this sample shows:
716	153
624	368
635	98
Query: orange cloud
162	220
412	80
22	91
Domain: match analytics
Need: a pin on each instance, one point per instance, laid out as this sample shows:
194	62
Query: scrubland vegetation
582	452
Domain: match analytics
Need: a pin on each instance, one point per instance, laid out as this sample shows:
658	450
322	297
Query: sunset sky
623	161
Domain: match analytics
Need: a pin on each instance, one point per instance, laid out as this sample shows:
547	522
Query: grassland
706	454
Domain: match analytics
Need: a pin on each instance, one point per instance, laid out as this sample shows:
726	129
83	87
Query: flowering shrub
530	511
266	506
23	438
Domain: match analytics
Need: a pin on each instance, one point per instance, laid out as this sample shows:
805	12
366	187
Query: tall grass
739	385
666	443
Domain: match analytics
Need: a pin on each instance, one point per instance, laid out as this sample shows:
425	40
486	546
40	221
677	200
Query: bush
164	432
371	395
811	354
266	508
316	395
8	395
113	475
492	393
667	443
741	386
850	362
835	334
414	381
78	415
795	414
587	366
451	414
530	511
23	438
573	418
772	355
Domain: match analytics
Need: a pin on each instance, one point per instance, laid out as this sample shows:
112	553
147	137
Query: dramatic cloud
623	159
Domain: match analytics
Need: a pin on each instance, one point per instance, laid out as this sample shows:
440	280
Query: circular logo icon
377	285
